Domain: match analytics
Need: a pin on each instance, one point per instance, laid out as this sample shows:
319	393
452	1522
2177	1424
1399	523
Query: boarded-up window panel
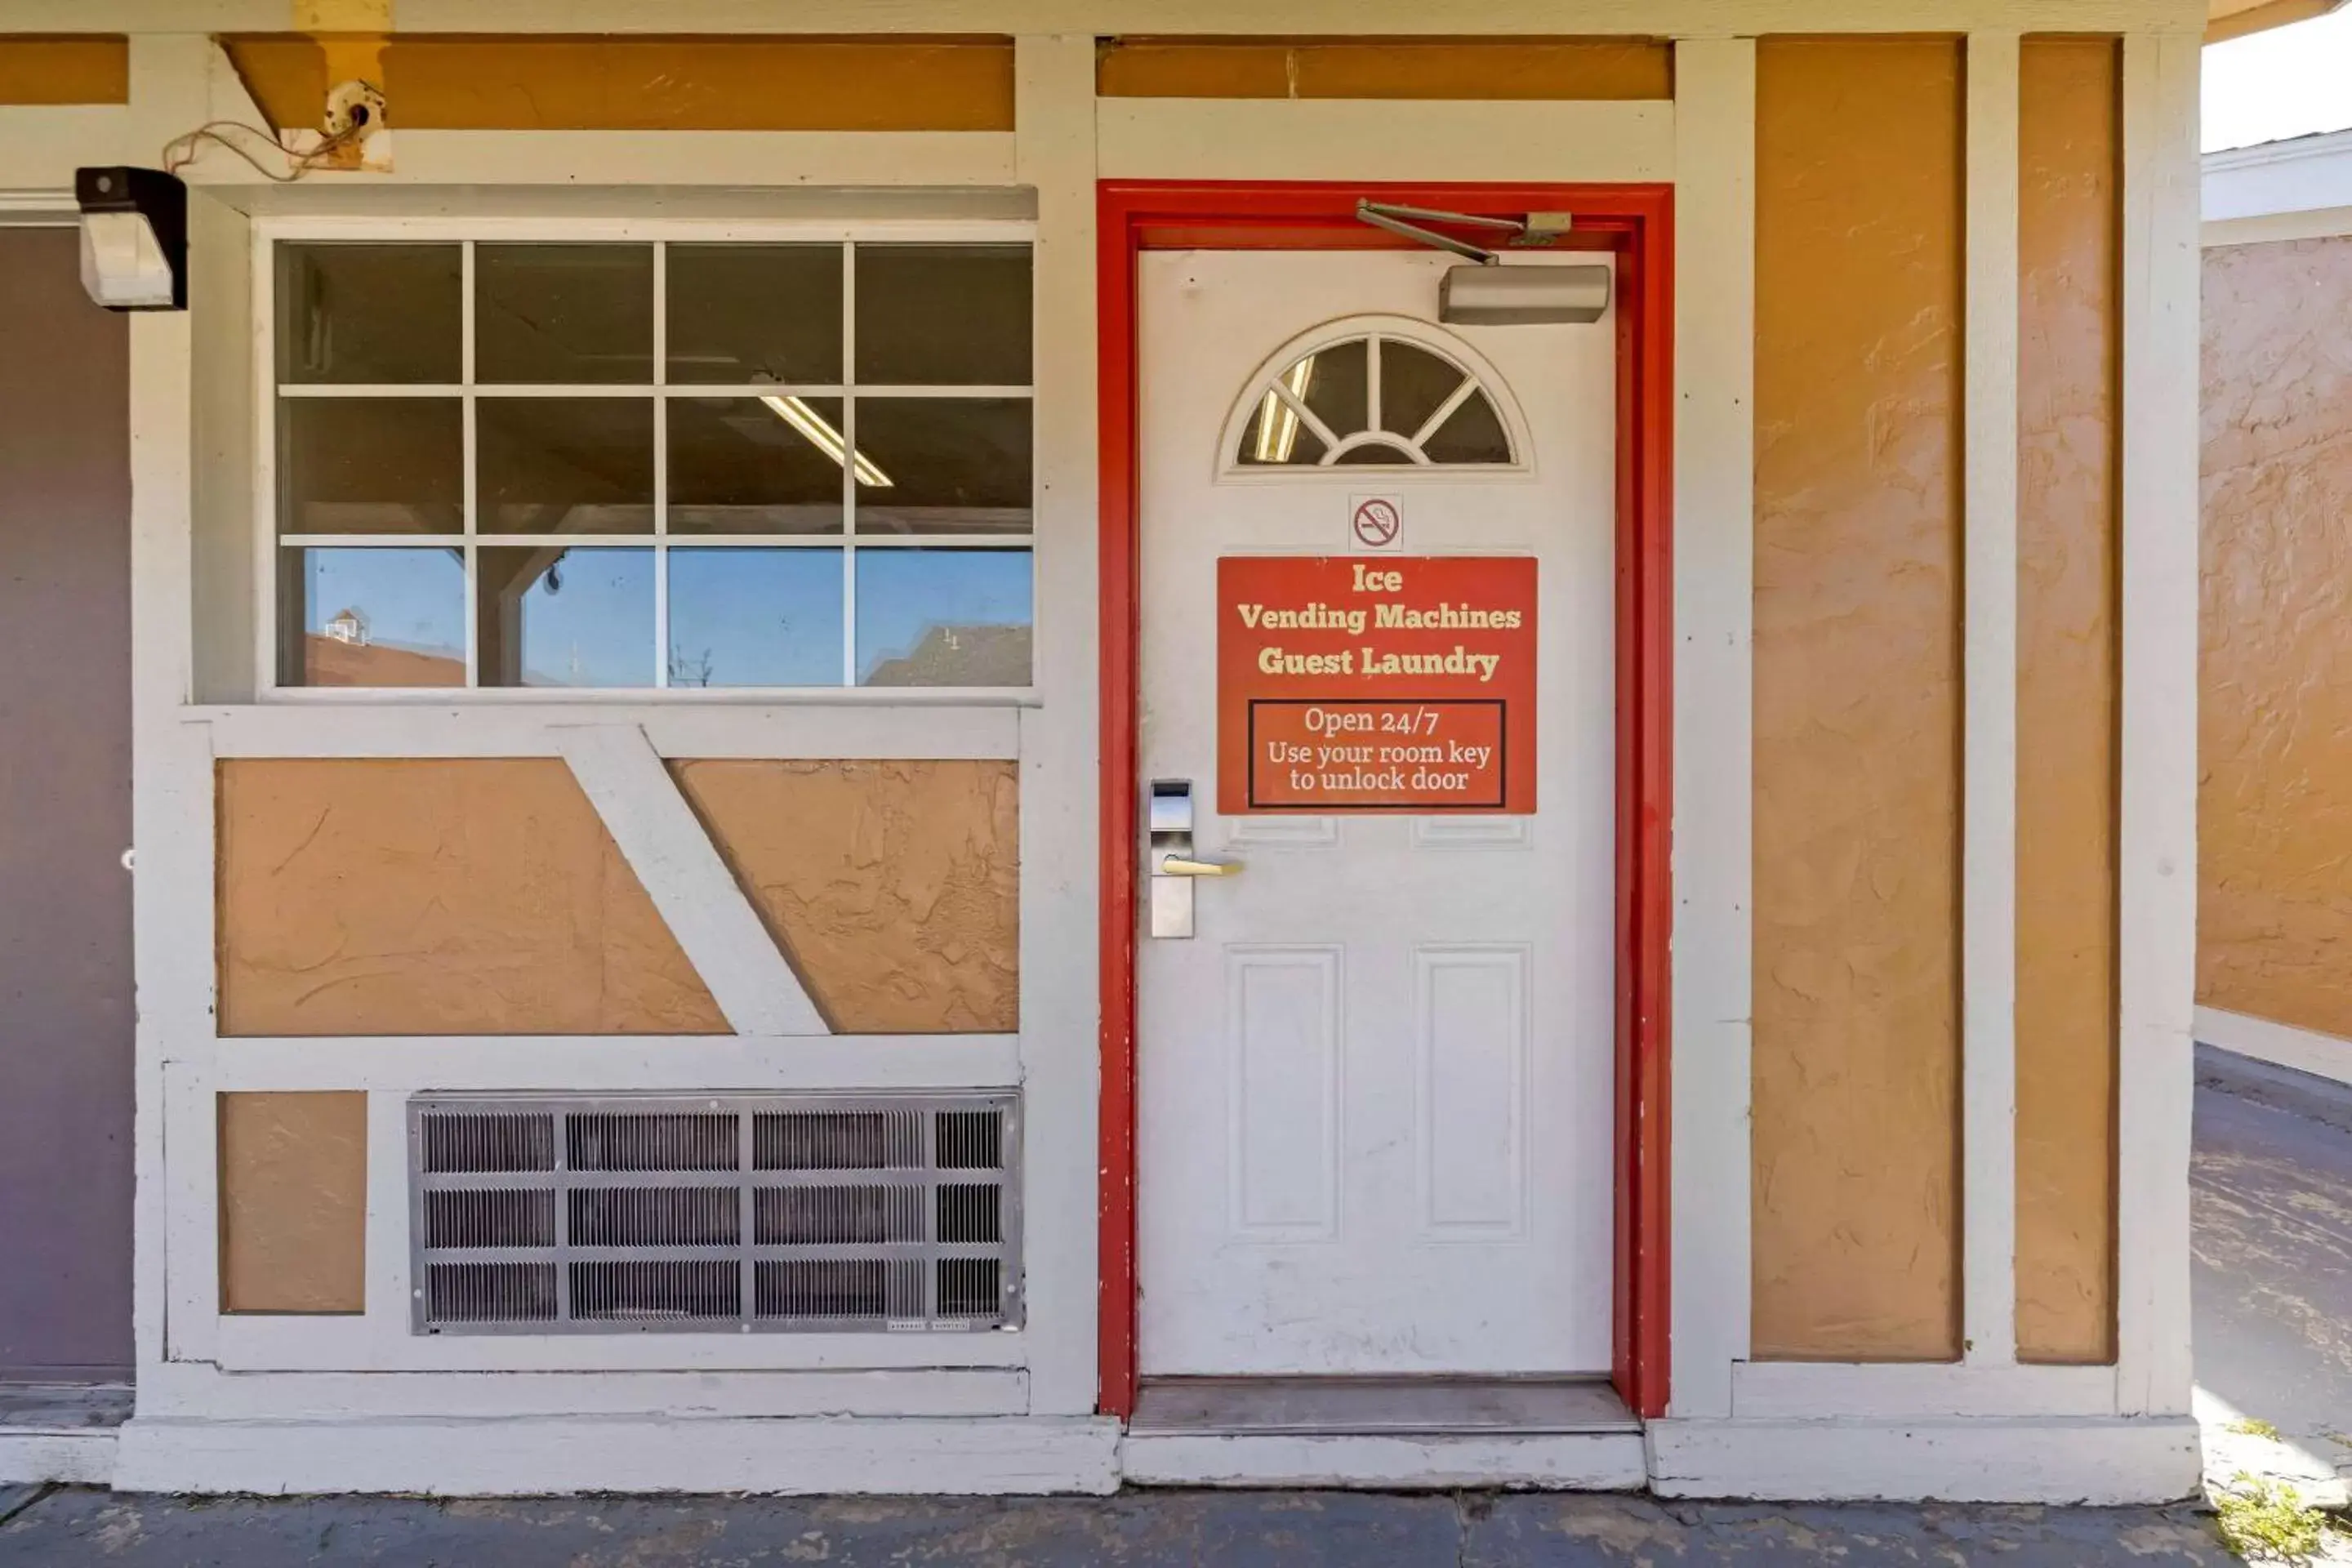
1489	68
2069	361
1857	666
2274	702
894	887
449	82
448	896
293	1202
81	69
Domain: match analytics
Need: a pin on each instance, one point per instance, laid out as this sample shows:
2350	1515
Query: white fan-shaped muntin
1281	387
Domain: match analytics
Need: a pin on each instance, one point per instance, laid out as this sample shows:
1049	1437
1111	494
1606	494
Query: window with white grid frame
662	463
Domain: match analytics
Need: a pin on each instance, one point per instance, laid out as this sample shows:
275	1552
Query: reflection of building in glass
959	655
349	626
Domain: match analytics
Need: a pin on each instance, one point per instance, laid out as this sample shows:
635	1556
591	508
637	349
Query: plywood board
894	887
293	1202
436	896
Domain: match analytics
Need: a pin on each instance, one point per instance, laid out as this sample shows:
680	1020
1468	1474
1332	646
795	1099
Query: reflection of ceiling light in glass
1277	423
825	438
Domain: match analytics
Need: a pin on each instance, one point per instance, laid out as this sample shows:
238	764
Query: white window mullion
849	465
661	464
1989	724
472	606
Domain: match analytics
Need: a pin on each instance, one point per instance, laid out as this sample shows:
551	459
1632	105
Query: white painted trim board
2157	837
705	909
1714	720
1988	724
2280	1045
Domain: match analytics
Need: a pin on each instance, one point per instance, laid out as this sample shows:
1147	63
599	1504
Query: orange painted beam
58	69
561	82
1490	68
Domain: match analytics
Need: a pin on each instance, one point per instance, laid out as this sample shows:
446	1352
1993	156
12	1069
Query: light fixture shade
1507	296
134	238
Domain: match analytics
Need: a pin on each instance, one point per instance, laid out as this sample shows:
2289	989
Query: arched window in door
1373	392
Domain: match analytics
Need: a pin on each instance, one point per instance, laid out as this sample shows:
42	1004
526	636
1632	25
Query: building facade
2272	977
879	762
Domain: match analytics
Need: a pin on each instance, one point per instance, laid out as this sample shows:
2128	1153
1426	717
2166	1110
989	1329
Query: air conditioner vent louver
772	1212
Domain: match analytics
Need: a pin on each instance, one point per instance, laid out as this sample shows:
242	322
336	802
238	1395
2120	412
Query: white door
1376	1086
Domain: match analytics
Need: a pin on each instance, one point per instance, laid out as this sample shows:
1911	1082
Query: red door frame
1635	223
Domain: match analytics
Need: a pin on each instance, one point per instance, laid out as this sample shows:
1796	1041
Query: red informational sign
1376	683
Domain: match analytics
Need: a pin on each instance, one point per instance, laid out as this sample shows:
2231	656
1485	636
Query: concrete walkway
2273	1213
1137	1530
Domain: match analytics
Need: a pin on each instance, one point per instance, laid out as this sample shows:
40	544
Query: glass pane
1334	382
943	465
564	313
1277	437
741	313
563	465
1414	384
372	617
370	313
944	315
1374	454
755	617
1471	433
751	465
554	617
944	617
371	465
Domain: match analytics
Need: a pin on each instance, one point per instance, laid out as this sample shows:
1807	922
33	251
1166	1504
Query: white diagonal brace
664	843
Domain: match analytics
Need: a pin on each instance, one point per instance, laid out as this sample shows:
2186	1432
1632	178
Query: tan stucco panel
2069	231
446	896
293	1202
2275	804
893	887
1856	1061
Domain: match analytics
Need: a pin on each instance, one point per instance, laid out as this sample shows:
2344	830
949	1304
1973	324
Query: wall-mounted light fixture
135	238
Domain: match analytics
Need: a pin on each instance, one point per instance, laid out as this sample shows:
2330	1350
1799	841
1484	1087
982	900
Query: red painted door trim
1636	222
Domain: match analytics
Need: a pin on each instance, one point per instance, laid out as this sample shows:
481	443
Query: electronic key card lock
1170	859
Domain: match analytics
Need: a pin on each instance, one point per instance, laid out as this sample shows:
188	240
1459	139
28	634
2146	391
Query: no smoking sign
1375	522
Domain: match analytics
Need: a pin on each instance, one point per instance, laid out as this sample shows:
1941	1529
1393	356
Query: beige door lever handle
1178	866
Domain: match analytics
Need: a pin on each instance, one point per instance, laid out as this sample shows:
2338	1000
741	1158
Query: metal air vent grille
812	1213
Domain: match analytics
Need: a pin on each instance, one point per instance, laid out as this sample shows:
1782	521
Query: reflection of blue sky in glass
407	598
596	627
755	617
904	594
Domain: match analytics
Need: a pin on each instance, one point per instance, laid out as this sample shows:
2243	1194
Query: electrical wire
181	150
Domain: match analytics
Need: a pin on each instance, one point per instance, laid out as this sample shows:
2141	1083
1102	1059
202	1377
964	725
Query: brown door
64	820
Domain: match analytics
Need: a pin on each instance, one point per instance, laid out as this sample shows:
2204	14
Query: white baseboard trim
1879	1390
544	1457
2280	1045
76	1457
1575	1461
2109	1461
